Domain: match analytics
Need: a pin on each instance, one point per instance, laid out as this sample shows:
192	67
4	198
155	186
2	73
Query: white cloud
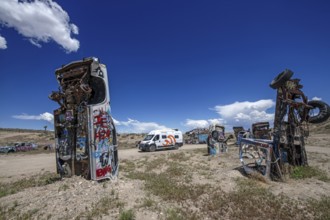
237	114
116	121
316	98
44	116
129	126
39	21
190	123
135	126
3	43
246	112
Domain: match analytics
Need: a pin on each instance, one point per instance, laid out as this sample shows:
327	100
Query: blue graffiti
97	154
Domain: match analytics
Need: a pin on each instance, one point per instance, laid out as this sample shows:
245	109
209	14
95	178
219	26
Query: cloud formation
190	123
129	126
246	112
44	116
316	98
237	114
135	126
39	21
3	43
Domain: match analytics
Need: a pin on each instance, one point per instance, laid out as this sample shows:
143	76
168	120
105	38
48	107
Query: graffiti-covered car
217	141
7	149
261	130
25	146
85	134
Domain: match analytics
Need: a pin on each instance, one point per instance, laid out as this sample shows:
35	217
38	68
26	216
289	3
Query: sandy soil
17	166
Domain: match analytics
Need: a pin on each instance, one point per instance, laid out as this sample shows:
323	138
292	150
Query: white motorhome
162	139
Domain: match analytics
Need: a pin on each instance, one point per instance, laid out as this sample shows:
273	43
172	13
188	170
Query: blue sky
175	64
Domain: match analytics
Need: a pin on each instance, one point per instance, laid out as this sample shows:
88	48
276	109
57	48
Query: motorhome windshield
148	137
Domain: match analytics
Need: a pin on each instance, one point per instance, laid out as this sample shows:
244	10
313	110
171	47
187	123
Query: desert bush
127	215
303	172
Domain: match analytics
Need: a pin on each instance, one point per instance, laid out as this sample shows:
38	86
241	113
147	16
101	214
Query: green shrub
303	172
127	215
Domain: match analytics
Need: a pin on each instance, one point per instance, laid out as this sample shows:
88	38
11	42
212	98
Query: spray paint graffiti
85	135
169	141
103	142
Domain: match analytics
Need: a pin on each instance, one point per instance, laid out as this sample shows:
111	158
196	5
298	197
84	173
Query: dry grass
34	181
251	198
101	208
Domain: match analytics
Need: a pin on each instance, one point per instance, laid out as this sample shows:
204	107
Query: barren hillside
319	134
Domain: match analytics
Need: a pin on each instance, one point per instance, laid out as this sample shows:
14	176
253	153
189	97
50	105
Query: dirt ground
77	198
17	166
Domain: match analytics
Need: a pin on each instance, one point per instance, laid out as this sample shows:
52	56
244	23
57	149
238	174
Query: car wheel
279	80
152	148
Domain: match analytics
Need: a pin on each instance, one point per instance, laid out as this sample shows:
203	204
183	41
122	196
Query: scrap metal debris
217	141
293	113
197	136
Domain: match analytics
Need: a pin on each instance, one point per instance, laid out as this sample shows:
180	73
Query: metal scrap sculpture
238	132
292	115
197	136
217	141
85	134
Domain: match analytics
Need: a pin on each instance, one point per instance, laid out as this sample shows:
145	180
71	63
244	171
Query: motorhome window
163	136
176	136
156	138
148	137
98	90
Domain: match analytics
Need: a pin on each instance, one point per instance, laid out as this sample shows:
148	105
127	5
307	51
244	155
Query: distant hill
322	128
9	136
20	130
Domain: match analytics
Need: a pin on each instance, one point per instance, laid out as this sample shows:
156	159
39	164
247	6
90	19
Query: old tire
152	148
279	80
323	114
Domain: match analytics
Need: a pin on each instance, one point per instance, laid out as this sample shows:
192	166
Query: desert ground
169	184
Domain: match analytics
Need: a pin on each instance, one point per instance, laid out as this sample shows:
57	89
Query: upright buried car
85	134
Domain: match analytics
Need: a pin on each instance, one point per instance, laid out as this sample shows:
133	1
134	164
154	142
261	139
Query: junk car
85	134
